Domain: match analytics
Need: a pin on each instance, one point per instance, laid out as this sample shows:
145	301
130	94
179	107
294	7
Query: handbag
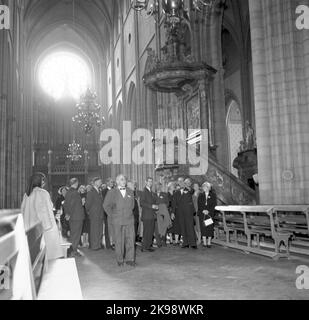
208	222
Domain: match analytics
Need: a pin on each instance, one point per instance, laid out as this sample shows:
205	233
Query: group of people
116	216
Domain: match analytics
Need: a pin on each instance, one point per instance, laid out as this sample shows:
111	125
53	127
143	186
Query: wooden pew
37	251
15	257
294	219
23	259
254	221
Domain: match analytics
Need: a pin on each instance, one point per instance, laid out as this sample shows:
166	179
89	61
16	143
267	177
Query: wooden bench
37	251
257	222
61	281
232	223
294	219
15	257
29	275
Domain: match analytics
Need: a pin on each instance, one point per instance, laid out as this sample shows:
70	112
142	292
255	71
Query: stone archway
234	132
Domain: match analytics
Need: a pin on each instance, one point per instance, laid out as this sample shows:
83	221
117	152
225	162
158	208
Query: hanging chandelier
74	152
176	67
170	7
88	112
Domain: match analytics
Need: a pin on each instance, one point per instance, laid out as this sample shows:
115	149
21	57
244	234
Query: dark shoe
131	264
120	264
194	247
184	247
148	250
208	246
75	254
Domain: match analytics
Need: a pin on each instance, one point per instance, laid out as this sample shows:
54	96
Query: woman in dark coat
174	231
207	202
86	225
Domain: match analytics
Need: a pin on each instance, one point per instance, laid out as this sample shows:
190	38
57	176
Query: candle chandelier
88	112
173	9
175	68
74	152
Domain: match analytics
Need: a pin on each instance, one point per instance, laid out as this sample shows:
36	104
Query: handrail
253	209
265	208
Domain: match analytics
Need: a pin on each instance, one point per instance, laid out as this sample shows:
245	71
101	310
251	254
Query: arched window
64	74
235	132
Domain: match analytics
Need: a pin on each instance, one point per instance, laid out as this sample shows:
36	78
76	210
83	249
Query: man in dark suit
94	207
108	227
119	205
74	211
132	187
184	208
149	208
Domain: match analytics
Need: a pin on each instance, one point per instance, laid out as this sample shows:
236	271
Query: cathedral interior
235	68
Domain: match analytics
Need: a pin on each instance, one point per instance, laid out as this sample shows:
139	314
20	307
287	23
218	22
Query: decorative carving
220	179
250	142
177	67
246	164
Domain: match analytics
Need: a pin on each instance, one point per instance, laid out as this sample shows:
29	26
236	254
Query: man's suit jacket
104	193
119	208
162	198
94	205
147	200
73	205
183	202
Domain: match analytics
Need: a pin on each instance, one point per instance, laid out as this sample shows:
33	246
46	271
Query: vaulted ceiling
85	23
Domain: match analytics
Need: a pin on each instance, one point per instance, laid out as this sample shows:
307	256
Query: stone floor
174	273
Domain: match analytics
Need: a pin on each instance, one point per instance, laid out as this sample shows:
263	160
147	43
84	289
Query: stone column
281	80
211	49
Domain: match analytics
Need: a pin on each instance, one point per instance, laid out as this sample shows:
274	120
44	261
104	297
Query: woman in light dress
37	207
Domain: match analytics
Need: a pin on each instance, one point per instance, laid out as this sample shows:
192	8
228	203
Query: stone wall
281	80
15	112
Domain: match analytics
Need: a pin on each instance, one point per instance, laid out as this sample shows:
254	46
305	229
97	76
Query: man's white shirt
123	192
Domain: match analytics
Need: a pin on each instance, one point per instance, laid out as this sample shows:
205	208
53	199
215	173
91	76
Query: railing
230	190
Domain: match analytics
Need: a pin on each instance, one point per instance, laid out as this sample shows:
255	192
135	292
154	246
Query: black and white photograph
154	154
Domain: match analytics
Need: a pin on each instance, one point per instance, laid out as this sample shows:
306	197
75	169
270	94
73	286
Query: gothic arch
234	131
132	105
229	97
